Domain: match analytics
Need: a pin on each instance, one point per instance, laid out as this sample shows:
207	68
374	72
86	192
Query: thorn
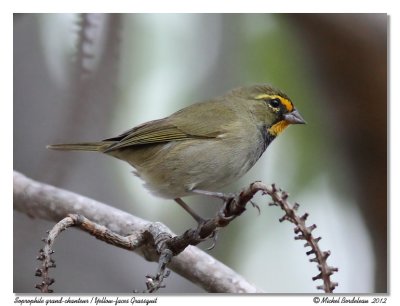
317	277
284	195
310	252
40	257
50	281
326	254
149	283
307	244
272	204
44	240
256	206
299	237
332	270
50	291
311	228
284	218
333	286
38	272
320	287
296	230
37	286
296	206
304	217
48	232
317	239
214	236
315	259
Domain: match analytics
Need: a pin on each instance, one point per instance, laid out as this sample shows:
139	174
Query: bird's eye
275	102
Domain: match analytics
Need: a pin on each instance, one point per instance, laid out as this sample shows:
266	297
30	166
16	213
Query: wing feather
150	133
183	125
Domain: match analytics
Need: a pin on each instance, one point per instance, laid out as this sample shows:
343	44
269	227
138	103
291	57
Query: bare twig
131	242
45	255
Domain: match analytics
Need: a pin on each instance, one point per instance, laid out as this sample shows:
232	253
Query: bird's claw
256	206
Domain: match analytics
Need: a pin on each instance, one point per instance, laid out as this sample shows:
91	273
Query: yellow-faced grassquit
204	146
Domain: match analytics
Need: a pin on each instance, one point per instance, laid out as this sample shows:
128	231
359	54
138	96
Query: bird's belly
172	170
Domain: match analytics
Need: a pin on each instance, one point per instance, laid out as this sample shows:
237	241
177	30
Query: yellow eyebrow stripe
286	102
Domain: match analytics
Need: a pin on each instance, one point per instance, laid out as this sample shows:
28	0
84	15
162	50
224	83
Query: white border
256	6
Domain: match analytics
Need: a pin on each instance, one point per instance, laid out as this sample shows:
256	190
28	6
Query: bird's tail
84	146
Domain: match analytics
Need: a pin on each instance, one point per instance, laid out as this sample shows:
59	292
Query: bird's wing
156	131
183	125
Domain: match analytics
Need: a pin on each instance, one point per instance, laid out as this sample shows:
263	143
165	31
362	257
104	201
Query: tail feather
84	146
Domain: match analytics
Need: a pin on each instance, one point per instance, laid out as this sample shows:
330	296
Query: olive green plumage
204	146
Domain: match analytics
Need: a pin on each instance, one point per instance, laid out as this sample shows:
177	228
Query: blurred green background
93	76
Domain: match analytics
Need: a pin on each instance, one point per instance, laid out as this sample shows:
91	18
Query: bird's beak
294	117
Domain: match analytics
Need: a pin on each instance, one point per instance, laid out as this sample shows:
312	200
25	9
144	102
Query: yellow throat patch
278	127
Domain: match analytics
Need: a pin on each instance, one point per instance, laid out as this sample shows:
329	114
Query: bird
204	146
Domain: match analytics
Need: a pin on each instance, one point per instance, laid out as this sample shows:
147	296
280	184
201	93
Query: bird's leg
186	207
226	197
200	222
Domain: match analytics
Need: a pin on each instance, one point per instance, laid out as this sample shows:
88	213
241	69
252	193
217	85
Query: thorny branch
304	232
167	246
39	200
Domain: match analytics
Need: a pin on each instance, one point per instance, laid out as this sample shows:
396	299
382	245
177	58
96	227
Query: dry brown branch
164	246
39	200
